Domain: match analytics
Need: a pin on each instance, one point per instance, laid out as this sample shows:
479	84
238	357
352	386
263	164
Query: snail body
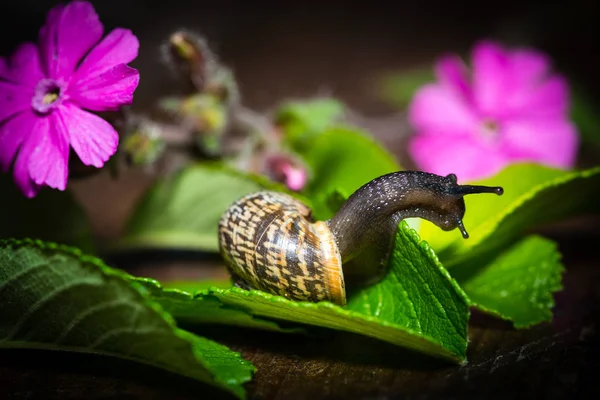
270	242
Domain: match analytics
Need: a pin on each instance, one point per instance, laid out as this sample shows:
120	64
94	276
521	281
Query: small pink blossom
509	108
285	169
45	90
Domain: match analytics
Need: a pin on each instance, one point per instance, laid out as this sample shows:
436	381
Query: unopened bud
190	55
143	146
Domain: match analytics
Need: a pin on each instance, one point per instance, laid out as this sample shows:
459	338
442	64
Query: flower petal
107	91
25	67
93	139
528	66
452	72
12	135
21	174
490	79
3	68
48	162
436	108
120	46
48	42
29	129
13	99
549	141
549	98
68	35
459	154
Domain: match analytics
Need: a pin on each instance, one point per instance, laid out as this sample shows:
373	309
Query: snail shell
275	246
270	242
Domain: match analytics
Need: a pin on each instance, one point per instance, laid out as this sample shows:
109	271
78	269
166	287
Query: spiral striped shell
269	243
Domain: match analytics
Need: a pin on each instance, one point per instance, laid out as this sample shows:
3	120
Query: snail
270	242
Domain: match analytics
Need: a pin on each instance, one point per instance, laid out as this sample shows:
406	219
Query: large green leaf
533	195
54	297
52	215
178	299
183	212
519	283
417	305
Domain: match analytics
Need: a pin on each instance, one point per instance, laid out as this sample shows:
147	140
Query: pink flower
46	89
285	169
510	108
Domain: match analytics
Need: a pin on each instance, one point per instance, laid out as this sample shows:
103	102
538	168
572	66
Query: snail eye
452	178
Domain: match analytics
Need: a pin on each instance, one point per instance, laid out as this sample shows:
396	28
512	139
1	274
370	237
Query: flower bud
189	55
286	169
143	145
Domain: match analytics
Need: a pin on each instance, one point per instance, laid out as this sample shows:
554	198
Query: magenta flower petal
48	43
21	174
69	33
528	66
11	136
120	46
93	139
3	68
452	72
13	99
296	177
28	123
490	83
549	98
436	108
42	89
559	136
461	155
107	91
25	67
48	163
514	110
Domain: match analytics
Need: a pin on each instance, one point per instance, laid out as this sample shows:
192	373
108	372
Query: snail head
452	204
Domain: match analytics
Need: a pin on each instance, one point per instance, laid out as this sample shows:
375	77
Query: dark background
299	48
296	49
283	49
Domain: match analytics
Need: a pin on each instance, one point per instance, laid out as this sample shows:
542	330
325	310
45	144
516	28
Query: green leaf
518	284
193	286
342	160
303	121
417	305
419	294
183	212
56	298
180	300
52	215
533	194
399	88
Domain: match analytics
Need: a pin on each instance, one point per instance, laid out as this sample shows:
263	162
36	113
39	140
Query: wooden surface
558	360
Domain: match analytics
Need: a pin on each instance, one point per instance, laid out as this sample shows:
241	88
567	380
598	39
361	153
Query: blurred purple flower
45	90
508	109
285	169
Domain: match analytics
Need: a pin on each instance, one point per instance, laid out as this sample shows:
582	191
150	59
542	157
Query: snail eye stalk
461	228
476	189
